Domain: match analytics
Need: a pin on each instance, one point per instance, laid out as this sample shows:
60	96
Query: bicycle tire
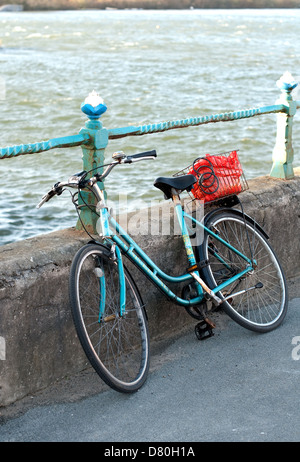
261	309
116	346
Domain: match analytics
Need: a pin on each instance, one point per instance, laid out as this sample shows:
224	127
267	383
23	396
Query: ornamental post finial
286	83
93	106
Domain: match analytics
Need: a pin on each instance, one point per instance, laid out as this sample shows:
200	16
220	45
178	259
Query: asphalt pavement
237	386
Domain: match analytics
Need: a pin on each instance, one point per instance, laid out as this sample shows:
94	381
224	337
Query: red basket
218	175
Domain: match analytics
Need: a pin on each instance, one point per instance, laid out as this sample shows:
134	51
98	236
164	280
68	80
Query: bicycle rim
116	346
260	309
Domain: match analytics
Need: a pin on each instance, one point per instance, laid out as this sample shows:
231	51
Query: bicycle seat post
175	197
183	227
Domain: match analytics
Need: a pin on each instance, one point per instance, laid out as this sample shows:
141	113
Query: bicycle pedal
204	329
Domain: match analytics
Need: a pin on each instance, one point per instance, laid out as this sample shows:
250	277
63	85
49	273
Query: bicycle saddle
181	183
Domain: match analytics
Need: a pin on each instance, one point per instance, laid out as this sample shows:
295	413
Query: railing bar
62	142
78	140
194	121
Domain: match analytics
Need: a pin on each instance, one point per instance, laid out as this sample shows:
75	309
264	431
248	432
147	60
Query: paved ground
235	386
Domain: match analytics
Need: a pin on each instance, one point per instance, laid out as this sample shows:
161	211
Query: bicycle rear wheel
116	346
260	309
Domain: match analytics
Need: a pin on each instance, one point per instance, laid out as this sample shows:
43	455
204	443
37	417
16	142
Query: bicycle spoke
116	345
257	309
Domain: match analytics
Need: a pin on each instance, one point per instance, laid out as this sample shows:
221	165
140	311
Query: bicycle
235	268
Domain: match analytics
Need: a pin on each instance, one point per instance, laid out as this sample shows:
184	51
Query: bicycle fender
121	281
104	246
239	214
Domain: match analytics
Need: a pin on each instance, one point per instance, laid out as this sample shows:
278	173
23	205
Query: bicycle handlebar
77	180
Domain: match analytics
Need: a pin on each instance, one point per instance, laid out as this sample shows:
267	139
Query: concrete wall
37	337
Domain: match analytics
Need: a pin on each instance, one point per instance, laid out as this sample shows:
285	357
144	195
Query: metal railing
94	138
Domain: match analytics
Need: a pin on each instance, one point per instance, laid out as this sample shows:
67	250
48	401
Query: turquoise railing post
283	153
92	155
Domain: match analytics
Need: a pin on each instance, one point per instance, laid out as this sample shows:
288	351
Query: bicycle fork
117	257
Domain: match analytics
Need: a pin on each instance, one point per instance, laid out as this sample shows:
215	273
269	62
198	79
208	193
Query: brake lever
55	190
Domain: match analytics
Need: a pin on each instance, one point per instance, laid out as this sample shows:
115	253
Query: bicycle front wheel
262	304
116	345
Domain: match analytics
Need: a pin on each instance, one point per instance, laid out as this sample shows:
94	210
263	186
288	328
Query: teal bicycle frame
111	232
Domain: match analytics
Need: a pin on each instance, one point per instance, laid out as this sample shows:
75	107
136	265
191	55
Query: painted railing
94	138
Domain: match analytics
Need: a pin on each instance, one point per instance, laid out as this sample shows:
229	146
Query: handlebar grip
56	190
44	199
142	155
145	154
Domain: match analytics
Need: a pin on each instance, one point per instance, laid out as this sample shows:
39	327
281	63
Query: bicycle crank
205	287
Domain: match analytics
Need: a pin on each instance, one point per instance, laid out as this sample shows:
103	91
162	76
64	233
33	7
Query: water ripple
150	67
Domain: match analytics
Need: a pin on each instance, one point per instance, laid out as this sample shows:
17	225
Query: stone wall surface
36	328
